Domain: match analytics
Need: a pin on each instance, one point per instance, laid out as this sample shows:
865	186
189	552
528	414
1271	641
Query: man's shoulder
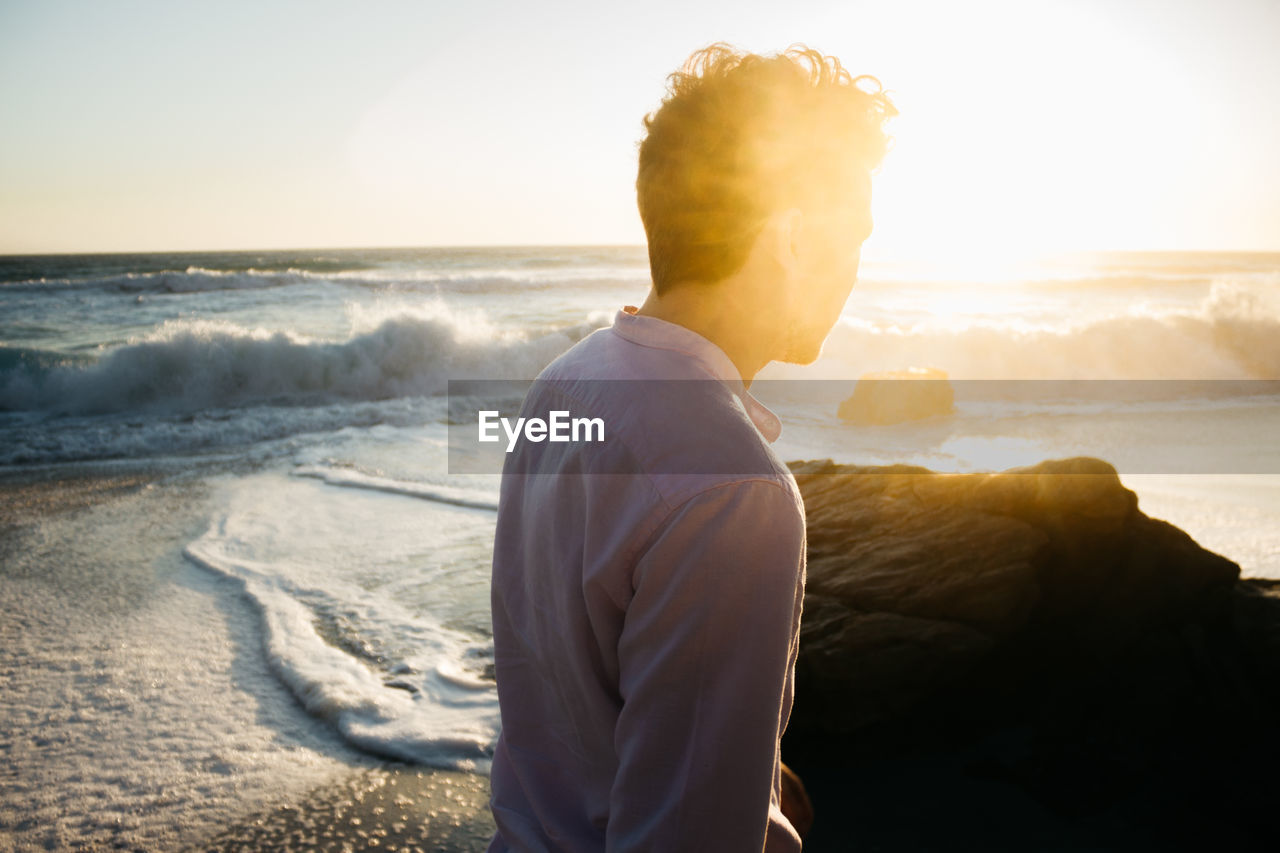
579	357
663	416
606	355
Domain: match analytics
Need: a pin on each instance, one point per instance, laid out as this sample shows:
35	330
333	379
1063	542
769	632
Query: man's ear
786	228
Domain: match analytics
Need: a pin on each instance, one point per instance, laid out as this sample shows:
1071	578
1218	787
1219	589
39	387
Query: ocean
235	560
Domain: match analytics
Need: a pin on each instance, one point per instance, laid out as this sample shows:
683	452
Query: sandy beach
133	717
390	807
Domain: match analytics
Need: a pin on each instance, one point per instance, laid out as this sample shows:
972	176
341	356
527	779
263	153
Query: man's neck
715	313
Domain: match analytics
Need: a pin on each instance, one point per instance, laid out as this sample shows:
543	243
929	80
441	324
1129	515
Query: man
647	589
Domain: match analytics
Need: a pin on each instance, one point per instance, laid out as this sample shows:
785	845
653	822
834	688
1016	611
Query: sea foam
193	365
390	678
437	492
1233	333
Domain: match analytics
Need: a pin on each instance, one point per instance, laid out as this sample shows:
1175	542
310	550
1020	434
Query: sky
1024	126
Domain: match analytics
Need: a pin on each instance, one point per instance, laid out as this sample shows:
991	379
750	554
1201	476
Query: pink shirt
646	623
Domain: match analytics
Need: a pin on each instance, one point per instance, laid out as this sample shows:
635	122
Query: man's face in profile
830	250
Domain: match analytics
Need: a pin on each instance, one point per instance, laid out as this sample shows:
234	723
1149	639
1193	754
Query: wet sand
392	807
138	711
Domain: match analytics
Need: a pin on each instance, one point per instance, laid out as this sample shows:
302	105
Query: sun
1022	131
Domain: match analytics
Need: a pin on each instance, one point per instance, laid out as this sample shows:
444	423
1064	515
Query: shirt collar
660	334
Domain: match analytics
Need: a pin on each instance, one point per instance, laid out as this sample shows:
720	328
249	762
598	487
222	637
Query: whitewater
274	430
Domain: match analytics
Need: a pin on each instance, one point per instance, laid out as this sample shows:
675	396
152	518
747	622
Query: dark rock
1033	636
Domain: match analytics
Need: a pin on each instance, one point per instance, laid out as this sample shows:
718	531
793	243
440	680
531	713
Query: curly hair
740	135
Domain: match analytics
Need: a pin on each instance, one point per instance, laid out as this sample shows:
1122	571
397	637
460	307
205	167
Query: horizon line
887	255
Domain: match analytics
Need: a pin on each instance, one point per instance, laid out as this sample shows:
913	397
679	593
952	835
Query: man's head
763	159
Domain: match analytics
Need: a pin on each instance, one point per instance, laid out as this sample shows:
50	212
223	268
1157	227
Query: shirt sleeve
705	658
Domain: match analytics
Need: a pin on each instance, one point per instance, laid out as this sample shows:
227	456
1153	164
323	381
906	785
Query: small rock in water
894	396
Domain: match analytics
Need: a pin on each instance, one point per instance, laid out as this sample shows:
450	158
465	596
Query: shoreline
140	711
136	714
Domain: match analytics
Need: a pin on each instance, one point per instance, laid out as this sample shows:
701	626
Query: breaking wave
1234	333
188	366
